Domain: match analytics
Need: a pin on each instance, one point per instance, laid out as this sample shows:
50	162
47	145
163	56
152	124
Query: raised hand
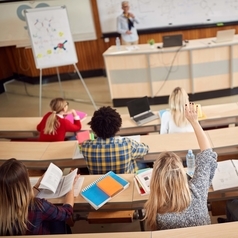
191	112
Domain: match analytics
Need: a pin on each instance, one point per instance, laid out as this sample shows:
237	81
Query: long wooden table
130	199
228	230
40	154
215	116
144	71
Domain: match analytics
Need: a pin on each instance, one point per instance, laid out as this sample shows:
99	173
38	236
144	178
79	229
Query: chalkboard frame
156	16
173	28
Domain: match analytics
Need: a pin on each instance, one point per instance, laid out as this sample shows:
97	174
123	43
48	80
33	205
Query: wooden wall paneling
89	52
5	65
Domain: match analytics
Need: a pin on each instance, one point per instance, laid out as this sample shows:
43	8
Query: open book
226	175
103	189
142	180
54	184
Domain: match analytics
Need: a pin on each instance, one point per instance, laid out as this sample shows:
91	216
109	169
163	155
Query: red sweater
65	126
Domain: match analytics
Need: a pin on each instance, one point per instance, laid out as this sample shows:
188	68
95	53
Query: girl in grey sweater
175	202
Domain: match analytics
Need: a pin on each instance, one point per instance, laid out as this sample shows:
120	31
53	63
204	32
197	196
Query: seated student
108	152
174	120
175	202
53	126
231	212
24	214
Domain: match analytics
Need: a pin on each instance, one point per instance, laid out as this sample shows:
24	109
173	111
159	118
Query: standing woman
21	212
126	25
53	126
174	120
175	202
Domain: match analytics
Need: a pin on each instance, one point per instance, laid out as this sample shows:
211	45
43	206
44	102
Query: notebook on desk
139	110
225	36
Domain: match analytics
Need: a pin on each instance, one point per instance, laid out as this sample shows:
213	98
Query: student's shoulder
166	114
47	114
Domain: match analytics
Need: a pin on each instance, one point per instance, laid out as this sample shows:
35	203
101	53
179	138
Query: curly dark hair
106	122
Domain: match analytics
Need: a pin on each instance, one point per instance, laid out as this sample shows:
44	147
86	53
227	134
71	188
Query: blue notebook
95	196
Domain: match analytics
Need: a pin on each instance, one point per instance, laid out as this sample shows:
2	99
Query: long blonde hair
57	105
177	100
15	199
169	190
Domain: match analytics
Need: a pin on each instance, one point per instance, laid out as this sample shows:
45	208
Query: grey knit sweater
197	213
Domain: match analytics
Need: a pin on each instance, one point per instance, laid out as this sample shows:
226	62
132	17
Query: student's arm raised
192	116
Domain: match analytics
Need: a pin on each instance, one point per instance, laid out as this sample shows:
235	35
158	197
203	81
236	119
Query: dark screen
138	106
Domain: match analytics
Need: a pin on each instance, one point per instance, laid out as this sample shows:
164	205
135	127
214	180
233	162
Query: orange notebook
110	186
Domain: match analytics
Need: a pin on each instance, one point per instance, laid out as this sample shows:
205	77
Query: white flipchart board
51	38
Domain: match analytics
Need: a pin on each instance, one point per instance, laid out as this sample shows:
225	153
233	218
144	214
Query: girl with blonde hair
175	202
54	126
21	212
174	120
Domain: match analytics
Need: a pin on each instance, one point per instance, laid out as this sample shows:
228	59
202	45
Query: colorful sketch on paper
51	37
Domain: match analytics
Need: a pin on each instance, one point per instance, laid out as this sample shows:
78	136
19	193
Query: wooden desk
144	234
216	116
38	155
178	143
228	230
224	141
35	155
133	74
220	115
25	127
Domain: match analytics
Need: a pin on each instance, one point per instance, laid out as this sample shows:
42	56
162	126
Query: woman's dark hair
106	122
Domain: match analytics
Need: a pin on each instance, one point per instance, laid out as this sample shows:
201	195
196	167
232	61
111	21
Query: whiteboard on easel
51	38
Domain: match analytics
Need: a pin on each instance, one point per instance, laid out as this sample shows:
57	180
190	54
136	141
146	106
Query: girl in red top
54	126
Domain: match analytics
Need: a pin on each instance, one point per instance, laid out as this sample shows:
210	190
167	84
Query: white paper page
78	186
51	178
33	181
225	176
45	193
67	183
134	137
78	153
235	163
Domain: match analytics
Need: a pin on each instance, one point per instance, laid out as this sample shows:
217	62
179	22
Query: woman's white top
168	126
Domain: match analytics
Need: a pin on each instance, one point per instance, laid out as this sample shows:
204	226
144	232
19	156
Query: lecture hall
80	52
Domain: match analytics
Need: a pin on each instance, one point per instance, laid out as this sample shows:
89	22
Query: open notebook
139	110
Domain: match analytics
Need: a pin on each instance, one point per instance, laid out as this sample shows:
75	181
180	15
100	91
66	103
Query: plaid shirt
113	154
40	216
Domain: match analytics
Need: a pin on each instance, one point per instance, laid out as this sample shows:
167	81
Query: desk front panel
128	75
198	67
211	68
210	231
179	143
168	70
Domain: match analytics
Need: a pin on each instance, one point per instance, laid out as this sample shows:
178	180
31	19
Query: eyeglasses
125	6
